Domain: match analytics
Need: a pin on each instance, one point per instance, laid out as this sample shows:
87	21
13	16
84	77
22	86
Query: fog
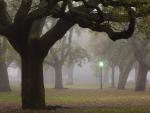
82	76
86	71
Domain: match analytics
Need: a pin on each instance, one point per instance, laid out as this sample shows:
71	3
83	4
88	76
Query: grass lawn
83	101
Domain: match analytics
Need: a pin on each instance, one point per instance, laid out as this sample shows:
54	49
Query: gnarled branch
23	11
56	33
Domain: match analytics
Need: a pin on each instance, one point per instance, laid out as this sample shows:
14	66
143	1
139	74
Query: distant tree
117	53
141	51
57	57
99	48
140	43
77	55
4	80
121	55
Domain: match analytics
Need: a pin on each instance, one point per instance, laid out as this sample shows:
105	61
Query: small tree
78	55
57	56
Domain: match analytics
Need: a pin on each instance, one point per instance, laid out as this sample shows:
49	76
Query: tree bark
58	77
141	78
70	74
33	94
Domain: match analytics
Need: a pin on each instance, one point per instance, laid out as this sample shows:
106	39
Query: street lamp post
101	64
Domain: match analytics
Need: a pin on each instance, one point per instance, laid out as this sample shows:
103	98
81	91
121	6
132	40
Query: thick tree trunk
58	77
123	79
141	78
70	74
4	81
124	73
33	94
113	77
124	76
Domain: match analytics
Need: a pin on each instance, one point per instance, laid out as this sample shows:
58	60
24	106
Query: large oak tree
24	33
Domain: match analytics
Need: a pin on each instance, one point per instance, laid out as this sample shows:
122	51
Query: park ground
78	100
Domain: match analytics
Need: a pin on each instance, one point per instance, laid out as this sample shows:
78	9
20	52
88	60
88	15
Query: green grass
11	97
85	101
98	97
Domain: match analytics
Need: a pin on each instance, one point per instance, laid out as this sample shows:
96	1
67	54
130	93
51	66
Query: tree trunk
70	74
33	94
106	75
124	73
136	66
123	77
4	81
58	77
113	77
141	78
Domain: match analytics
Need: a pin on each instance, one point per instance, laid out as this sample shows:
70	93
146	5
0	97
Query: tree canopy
93	14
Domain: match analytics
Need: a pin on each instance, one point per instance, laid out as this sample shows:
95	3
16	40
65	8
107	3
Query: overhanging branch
54	34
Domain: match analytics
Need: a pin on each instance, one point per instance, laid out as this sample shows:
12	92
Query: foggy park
74	56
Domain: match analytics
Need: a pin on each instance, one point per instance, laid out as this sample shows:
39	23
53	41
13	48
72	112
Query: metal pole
101	77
